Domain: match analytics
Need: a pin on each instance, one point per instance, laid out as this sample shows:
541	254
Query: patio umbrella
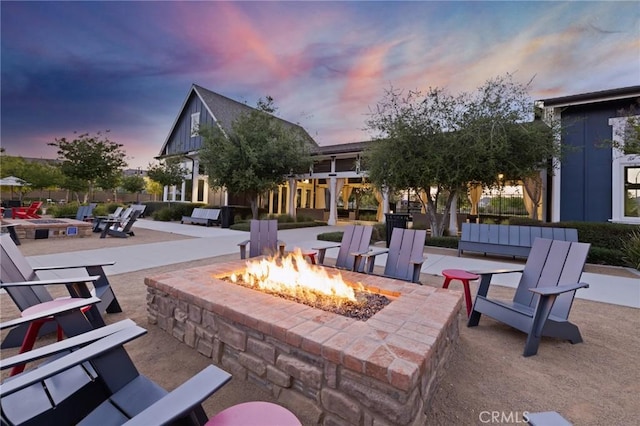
12	181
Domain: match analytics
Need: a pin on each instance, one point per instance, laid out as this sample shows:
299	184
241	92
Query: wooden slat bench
511	240
203	216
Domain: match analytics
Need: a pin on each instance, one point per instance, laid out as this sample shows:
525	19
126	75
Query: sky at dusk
128	66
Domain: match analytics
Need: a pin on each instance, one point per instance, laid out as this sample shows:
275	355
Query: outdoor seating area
235	336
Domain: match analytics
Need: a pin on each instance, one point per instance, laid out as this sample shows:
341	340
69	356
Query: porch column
165	193
183	189
279	211
195	183
271	202
291	199
333	211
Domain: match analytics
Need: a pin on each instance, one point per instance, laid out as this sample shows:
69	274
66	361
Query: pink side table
254	413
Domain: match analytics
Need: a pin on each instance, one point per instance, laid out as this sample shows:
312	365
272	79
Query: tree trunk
438	224
253	200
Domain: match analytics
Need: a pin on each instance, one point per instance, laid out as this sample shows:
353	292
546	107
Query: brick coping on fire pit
50	228
382	371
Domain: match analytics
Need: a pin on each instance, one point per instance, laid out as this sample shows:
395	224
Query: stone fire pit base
50	228
338	370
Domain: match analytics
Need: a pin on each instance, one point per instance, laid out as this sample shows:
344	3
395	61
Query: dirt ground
593	383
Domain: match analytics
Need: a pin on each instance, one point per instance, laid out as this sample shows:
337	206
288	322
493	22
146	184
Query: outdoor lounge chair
16	268
263	239
123	229
30	212
116	390
404	255
70	315
544	295
355	239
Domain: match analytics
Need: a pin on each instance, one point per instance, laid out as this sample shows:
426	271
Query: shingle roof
226	110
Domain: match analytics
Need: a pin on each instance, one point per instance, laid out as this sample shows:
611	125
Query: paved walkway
214	241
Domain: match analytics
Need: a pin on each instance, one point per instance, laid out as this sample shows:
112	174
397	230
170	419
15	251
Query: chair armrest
65	345
54	367
72	305
370	253
558	289
244	243
417	261
496	271
52	282
86	265
183	398
326	247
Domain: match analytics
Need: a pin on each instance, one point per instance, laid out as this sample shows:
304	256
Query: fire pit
50	228
345	371
291	277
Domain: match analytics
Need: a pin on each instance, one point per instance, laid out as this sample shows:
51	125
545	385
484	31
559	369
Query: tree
436	143
134	184
256	155
168	172
41	176
89	158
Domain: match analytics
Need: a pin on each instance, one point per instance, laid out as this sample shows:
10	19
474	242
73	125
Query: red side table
311	254
465	277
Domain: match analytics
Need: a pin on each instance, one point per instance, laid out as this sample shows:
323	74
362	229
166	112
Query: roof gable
223	111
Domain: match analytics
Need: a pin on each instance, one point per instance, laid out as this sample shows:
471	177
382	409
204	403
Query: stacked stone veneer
57	228
339	370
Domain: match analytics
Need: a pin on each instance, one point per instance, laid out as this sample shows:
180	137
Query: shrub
164	214
605	256
246	226
335	237
64	210
631	250
446	242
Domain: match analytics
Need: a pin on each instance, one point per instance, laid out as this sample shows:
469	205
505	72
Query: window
195	124
625	178
632	191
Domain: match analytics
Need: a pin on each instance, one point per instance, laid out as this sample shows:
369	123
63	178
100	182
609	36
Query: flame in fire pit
292	275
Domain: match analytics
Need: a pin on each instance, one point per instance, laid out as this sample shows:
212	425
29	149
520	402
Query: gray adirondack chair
355	239
263	239
123	230
404	255
108	390
15	269
544	296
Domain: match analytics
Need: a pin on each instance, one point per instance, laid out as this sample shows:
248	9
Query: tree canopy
88	159
168	172
256	155
437	143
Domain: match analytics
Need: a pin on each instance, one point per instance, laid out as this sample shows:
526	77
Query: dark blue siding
180	140
586	169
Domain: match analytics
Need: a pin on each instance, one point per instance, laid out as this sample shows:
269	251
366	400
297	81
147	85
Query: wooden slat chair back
15	268
355	239
553	263
116	213
108	389
405	251
263	239
124	230
544	296
30	212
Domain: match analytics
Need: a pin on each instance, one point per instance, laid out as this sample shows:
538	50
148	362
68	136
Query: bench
509	240
203	216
